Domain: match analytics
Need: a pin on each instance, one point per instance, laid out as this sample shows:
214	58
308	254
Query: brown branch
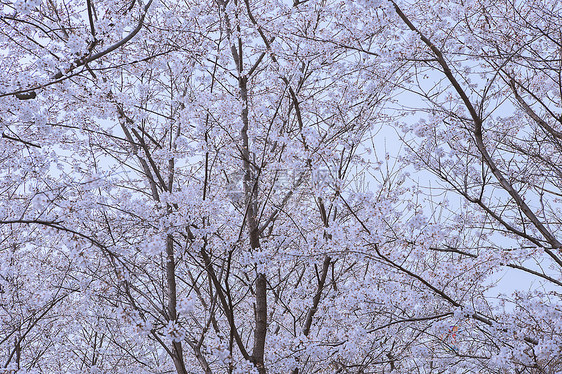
317	295
20	141
229	312
542	123
29	93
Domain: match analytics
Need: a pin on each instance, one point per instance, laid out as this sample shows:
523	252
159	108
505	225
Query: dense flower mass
261	186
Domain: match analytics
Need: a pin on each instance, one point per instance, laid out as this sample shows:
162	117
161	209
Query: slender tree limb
29	93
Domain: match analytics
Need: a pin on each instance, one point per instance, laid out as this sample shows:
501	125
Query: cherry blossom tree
202	187
489	76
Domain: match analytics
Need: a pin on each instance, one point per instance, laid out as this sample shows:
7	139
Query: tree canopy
260	186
